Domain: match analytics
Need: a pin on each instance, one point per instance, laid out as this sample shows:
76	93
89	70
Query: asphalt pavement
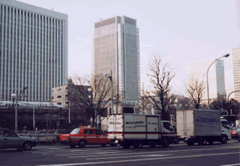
176	154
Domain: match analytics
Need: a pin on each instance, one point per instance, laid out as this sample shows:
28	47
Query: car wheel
72	146
27	146
20	149
224	140
165	143
103	145
82	144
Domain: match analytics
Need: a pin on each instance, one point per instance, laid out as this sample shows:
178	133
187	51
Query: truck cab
226	128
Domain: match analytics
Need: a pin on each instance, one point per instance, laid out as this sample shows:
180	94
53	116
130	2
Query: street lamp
232	92
207	77
110	77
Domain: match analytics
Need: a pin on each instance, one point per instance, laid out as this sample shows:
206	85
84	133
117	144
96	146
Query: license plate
116	141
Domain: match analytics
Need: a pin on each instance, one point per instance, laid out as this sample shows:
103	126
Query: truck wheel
72	146
126	146
152	145
139	145
201	141
210	142
190	143
165	143
82	144
224	139
176	141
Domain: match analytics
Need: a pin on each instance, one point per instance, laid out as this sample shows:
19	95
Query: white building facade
116	48
216	77
33	50
236	72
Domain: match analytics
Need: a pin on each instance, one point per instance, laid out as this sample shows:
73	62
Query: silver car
8	139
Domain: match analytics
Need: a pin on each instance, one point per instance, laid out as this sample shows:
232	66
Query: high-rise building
236	71
216	78
116	48
33	50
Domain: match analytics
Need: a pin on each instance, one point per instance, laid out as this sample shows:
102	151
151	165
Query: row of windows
15	11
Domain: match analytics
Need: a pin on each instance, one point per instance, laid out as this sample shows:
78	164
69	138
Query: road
179	154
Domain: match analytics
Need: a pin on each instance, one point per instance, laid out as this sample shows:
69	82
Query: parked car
9	139
83	136
234	132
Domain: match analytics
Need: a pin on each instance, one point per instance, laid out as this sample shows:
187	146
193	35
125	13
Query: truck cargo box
198	123
134	126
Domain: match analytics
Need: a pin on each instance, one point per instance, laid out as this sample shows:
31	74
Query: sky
178	30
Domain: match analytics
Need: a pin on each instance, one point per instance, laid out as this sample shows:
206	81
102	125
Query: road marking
129	156
131	153
135	160
230	164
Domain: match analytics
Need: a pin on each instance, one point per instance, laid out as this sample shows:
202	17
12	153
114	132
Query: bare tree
93	94
144	105
160	77
195	89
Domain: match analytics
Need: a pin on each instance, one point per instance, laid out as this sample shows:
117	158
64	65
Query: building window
59	89
66	102
52	98
52	90
59	103
59	97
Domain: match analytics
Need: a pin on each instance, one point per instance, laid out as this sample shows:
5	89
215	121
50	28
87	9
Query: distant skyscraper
216	78
238	18
116	48
236	71
33	50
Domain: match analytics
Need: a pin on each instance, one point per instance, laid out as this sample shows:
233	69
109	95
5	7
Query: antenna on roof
100	19
52	8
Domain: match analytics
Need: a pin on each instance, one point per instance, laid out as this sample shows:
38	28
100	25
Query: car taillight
192	137
179	136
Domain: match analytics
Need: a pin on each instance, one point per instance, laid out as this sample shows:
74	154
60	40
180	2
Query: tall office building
33	50
236	57
216	77
116	48
236	71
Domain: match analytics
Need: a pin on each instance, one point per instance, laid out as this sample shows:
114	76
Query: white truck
202	126
140	129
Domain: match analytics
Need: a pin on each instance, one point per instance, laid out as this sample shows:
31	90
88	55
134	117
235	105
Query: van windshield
75	131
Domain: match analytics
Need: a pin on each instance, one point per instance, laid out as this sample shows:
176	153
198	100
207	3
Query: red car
63	139
234	132
83	136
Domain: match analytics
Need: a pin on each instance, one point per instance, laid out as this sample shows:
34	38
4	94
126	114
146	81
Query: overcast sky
179	30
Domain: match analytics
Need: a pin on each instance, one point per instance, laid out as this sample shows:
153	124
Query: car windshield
75	131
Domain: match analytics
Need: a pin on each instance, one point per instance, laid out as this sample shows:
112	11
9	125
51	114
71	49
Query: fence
43	136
